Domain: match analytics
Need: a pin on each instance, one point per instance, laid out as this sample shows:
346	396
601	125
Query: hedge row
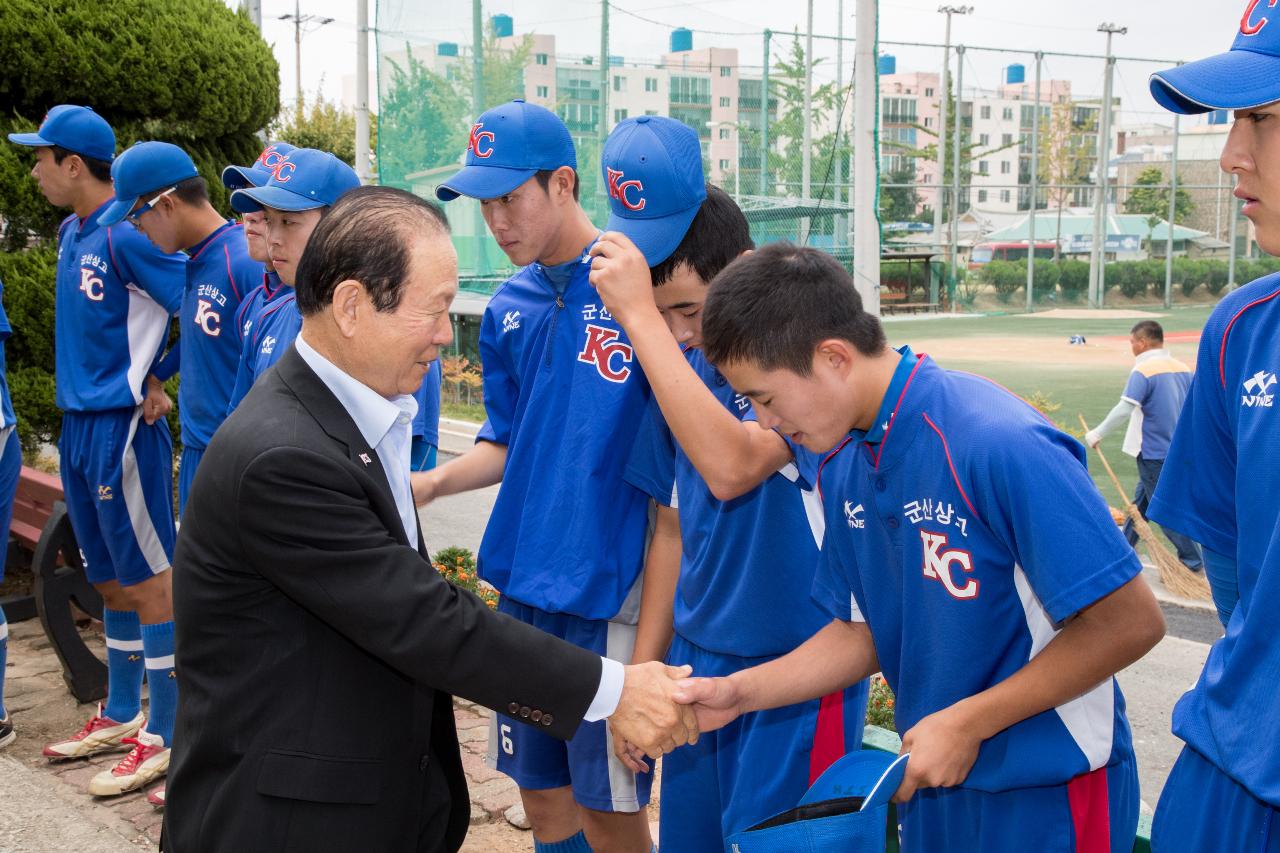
1133	279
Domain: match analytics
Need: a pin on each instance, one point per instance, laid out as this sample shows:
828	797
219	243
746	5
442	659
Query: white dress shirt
387	425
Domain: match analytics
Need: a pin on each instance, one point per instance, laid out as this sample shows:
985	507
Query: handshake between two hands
662	708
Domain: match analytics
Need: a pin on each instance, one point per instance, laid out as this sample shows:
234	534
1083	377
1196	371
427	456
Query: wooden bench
41	528
910	307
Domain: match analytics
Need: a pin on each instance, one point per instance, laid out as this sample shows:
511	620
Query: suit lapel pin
364	457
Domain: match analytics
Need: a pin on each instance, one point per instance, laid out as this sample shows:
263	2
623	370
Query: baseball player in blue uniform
743	556
1219	481
426	424
968	557
566	541
10	471
302	187
219	273
114	295
255	234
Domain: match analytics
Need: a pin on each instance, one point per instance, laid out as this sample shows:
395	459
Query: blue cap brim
1237	80
870	774
483	182
655	238
253	199
239	177
31	140
116	211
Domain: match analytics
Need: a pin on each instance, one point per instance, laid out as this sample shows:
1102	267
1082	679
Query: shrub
458	567
1215	275
880	704
1006	277
1074	280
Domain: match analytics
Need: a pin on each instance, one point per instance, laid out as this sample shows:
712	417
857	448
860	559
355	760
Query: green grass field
1089	390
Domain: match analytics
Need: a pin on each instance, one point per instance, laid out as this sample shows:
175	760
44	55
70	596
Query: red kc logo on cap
282	169
478	137
1248	26
618	189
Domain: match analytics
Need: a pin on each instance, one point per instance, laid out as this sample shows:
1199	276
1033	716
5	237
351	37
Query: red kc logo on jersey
618	189
1250	27
480	137
938	562
602	348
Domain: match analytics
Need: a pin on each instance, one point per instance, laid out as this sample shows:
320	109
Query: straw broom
1175	576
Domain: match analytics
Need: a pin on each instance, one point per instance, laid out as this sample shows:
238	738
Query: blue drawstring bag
845	810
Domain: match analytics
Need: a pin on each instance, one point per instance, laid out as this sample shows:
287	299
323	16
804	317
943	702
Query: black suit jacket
317	649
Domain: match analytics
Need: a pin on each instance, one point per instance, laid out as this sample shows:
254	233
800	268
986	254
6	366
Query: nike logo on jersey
1256	390
209	321
610	356
938	563
268	345
852	515
510	321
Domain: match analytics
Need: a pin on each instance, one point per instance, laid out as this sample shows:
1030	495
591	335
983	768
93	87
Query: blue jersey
1158	387
7	417
741	558
1219	487
426	425
114	295
257	301
565	394
964	539
270	336
219	274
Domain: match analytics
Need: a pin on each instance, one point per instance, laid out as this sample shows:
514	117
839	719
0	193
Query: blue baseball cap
74	128
508	145
873	775
1244	77
303	180
259	172
145	167
652	167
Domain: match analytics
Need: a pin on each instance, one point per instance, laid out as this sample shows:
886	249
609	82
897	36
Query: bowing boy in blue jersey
1219	482
255	236
742	556
10	471
968	557
302	186
114	295
159	190
566	541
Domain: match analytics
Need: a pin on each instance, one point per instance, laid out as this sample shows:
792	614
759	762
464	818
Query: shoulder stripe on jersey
226	253
827	459
1222	351
950	464
896	406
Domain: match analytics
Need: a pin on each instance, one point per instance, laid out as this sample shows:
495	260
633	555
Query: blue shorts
537	761
10	471
1202	808
754	768
1095	812
117	474
422	456
187	466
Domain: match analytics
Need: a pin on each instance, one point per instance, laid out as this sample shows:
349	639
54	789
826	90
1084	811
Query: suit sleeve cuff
608	693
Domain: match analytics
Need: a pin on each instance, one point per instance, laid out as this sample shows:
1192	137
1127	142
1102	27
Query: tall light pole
866	165
1035	188
362	90
806	154
1097	259
943	101
299	20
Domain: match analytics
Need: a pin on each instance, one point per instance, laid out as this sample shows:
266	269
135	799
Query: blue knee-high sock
572	844
162	681
124	664
4	654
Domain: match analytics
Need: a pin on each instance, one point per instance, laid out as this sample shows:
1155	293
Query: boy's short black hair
774	306
192	191
543	178
1149	330
717	235
100	169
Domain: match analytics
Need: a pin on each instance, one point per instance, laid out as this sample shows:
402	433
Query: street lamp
737	169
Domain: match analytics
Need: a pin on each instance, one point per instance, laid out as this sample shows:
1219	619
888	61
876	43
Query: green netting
432	84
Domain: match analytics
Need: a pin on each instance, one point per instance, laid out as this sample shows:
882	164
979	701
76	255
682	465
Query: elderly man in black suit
318	649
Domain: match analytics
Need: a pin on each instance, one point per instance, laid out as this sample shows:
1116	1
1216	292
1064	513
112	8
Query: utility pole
944	103
764	119
866	170
299	20
839	176
1097	259
362	90
254	8
954	250
1173	213
1035	188
604	73
477	108
806	154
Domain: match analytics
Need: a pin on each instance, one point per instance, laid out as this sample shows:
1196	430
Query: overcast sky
1168	31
